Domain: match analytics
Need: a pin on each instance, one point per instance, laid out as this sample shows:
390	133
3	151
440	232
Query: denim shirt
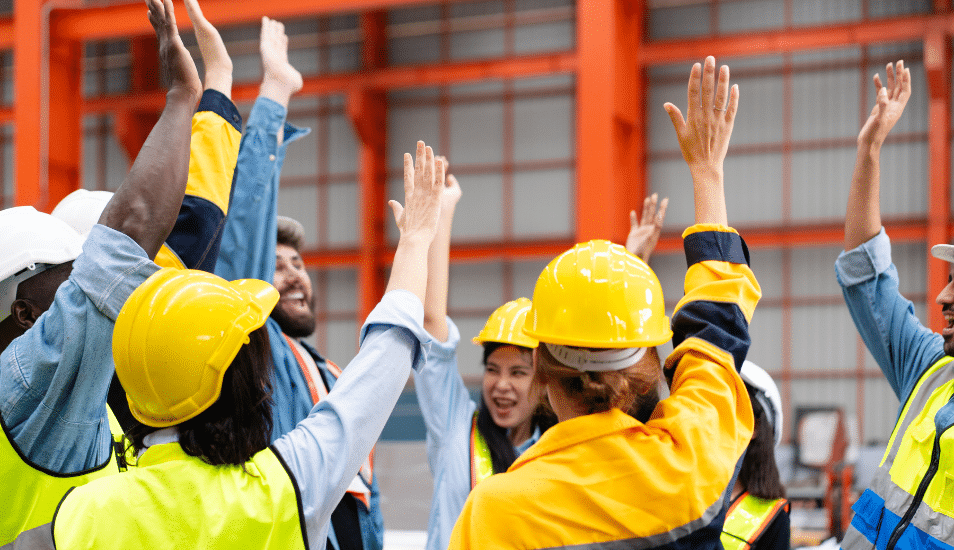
248	252
54	377
902	346
448	413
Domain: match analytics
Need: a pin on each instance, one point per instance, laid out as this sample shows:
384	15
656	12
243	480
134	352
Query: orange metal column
611	164
65	122
133	125
367	110
937	65
27	57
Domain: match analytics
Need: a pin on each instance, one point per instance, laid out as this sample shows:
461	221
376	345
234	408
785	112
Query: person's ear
24	313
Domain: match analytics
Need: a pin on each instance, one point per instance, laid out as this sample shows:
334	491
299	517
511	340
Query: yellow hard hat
505	325
177	334
598	295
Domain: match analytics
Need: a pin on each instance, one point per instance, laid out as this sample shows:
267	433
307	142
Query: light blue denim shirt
248	252
448	412
902	346
249	240
330	445
54	378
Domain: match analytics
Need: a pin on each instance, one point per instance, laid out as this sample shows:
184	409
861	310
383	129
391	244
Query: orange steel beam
610	140
513	251
937	65
383	78
873	31
27	63
121	20
807	235
367	110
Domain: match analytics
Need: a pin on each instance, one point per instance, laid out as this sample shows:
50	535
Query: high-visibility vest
747	519
173	500
910	503
481	465
30	493
360	487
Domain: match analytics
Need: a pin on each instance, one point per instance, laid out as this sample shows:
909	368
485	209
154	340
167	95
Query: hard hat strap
602	360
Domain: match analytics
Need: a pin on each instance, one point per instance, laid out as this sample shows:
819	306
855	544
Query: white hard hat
81	209
766	393
31	241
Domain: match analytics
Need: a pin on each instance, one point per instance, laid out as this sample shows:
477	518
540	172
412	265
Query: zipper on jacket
919	494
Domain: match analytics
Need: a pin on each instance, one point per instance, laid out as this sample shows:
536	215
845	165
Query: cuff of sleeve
218	103
398	308
448	349
865	261
110	268
703	242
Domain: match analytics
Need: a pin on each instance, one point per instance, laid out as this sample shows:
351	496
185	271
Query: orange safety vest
319	389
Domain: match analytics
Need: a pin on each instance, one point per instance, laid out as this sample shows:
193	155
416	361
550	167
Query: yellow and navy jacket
606	480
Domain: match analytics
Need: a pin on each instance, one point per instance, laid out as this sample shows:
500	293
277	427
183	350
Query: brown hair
290	232
633	389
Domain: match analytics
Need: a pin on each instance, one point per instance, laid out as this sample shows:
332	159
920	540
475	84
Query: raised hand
176	65
218	64
889	106
280	79
704	136
451	193
423	189
644	234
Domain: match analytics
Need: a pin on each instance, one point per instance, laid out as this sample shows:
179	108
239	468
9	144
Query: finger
419	161
408	174
676	116
439	171
428	169
397	210
733	106
899	79
633	220
661	212
171	15
889	69
906	84
443	159
708	83
648	208
722	89
693	90
452	181
877	83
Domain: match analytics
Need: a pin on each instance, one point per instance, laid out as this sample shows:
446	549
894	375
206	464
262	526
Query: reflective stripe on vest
173	500
481	465
360	487
32	499
911	497
747	519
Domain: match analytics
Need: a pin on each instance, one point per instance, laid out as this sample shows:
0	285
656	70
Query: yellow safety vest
173	500
910	499
747	519
32	499
481	465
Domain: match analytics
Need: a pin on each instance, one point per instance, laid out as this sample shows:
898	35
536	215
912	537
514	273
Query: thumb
398	211
675	115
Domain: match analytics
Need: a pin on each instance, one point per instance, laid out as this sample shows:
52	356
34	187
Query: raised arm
249	239
704	136
863	218
146	205
644	233
438	261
